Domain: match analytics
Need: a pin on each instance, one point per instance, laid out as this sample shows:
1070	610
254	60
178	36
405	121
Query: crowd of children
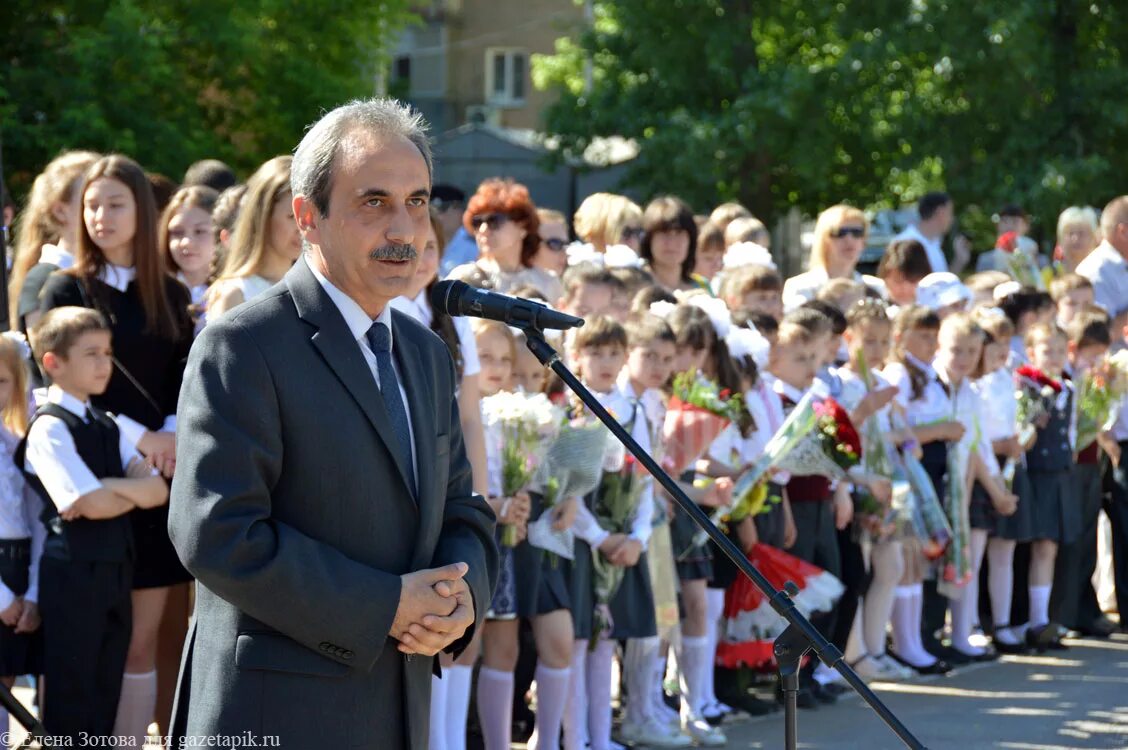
923	362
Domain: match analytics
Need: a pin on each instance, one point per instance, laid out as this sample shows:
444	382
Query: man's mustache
395	252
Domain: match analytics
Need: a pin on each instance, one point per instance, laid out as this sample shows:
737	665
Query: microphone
458	298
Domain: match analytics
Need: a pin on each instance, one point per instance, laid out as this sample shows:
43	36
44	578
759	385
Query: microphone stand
19	712
800	636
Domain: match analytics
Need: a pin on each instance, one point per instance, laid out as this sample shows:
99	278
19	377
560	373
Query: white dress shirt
806	286
358	322
621	401
56	256
932	247
933	404
1108	271
19	517
999	418
53	457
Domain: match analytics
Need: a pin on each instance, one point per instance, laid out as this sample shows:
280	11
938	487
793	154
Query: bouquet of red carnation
695	416
1022	267
1035	392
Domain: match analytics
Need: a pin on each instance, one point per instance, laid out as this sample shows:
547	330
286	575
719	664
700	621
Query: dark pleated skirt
632	607
1054	511
694	561
577	572
1019	526
553	593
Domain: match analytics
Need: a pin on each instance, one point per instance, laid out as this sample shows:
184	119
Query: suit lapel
334	341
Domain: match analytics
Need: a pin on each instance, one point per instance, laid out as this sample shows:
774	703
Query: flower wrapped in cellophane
519	428
616	501
697	413
1034	392
1099	394
572	467
751	624
920	509
817	438
1022	266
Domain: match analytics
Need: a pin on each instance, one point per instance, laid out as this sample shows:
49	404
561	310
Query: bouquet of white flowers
519	429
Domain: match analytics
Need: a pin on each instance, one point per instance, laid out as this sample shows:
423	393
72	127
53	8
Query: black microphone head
446	294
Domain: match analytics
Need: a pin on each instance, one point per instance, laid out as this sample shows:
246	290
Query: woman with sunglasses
669	245
503	221
552	254
840	237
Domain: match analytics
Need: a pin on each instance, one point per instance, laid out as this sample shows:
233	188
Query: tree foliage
172	81
807	103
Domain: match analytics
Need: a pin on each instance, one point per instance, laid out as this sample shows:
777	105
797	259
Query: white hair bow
747	254
717	311
20	341
749	342
662	308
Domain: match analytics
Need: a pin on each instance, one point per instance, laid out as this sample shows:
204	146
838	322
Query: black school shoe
1045	638
938	667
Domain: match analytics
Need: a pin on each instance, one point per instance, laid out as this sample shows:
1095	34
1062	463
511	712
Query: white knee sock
658	709
438	713
692	665
715	611
1039	605
887	560
1000	581
599	694
963	618
495	707
638	668
903	620
137	706
965	610
459	679
575	711
552	696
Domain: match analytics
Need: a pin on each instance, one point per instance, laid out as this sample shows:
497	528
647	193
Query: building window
506	76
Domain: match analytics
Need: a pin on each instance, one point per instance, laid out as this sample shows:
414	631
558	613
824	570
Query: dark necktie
380	340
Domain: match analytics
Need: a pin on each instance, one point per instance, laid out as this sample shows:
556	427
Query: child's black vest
97	443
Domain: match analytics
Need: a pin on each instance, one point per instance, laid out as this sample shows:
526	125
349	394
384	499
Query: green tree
172	81
807	103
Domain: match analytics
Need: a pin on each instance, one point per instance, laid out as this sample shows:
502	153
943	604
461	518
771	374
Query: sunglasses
492	221
858	232
555	244
632	233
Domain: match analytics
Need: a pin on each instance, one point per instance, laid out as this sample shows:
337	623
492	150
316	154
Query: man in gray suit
322	495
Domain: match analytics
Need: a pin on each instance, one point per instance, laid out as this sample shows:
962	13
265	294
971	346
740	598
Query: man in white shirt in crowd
936	211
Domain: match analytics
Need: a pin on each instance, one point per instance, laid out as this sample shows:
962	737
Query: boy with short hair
589	290
753	288
1073	600
1071	293
817	510
90	478
903	265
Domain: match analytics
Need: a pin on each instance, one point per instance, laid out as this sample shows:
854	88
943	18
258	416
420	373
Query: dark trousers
1116	506
87	619
854	578
817	543
1073	602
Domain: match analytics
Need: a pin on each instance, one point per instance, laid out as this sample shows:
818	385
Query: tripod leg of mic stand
789	649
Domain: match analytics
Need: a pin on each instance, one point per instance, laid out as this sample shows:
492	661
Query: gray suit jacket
296	520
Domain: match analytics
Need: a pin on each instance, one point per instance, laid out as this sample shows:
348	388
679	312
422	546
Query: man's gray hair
311	174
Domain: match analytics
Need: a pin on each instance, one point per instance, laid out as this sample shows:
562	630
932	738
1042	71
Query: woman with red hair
503	221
